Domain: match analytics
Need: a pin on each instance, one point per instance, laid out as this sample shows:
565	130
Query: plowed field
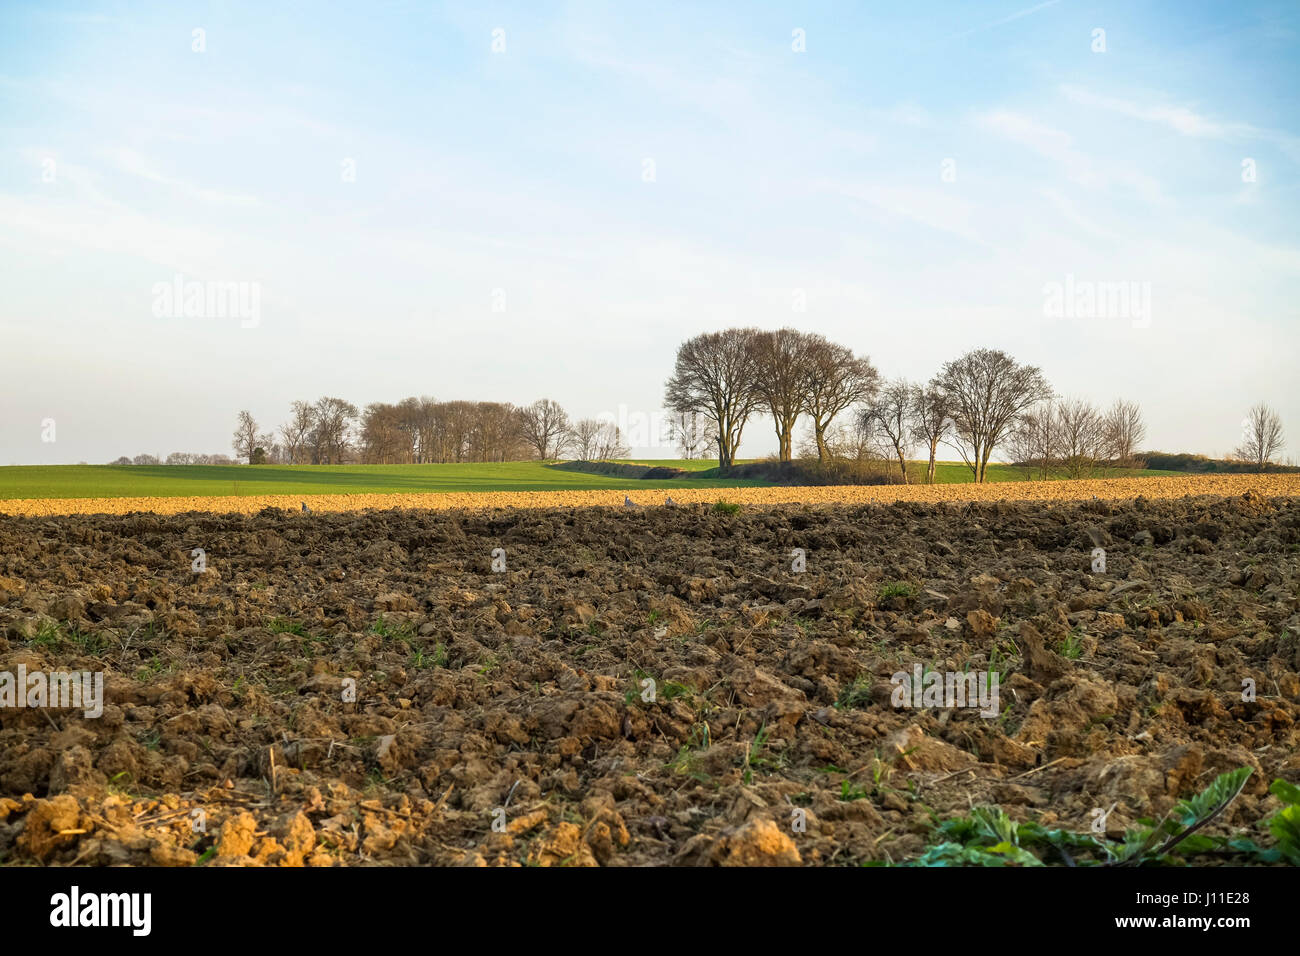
641	686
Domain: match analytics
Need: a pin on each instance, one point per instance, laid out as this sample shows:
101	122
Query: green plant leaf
1286	792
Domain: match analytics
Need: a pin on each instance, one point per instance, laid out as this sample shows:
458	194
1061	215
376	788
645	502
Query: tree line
975	403
333	431
175	458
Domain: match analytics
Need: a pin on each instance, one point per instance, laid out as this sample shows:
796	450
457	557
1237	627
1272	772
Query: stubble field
1045	491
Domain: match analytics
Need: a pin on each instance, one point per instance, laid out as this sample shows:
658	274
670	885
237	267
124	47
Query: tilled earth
640	686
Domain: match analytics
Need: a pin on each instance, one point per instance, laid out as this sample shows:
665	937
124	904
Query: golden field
1106	488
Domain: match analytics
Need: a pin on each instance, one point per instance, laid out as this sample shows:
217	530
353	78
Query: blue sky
516	178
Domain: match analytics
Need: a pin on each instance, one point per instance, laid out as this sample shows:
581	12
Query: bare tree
383	439
1124	432
890	413
248	437
584	435
455	430
1020	442
331	434
781	381
495	435
930	422
145	460
714	376
609	442
595	440
1034	440
295	432
837	380
858	441
1080	436
409	417
1261	437
987	390
544	427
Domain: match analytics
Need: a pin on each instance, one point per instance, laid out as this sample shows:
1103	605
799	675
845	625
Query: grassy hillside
123	481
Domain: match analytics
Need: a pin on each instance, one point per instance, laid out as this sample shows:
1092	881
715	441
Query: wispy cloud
1058	146
1028	11
1178	118
1183	120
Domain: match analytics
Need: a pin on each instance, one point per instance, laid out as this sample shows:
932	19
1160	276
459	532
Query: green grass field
124	481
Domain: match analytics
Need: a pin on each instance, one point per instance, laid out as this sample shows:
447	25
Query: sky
509	201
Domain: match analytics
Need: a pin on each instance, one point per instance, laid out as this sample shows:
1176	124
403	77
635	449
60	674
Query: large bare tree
295	433
1261	437
781	381
930	422
714	376
890	414
384	441
837	380
331	435
544	427
987	390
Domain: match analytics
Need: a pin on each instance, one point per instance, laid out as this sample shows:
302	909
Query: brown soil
515	696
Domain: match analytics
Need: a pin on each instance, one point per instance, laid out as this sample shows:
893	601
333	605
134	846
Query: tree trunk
782	441
787	441
819	432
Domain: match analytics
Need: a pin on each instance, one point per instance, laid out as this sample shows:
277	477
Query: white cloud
1183	120
1058	146
1178	118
